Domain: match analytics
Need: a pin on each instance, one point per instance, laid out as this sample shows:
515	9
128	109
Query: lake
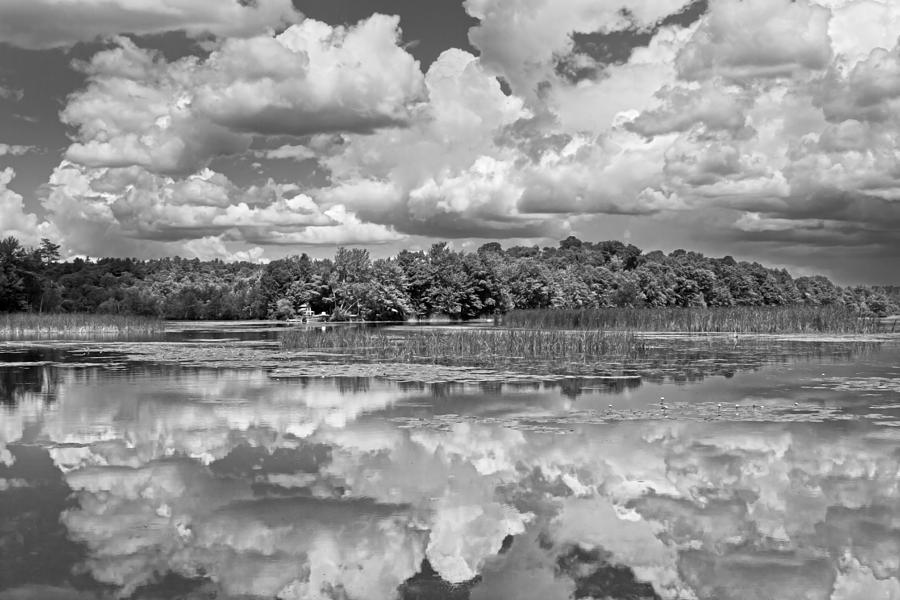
212	464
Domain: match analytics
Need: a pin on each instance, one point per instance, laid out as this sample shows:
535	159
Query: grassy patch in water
483	346
23	326
737	319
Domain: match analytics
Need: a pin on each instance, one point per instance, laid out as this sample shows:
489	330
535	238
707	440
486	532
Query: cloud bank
694	125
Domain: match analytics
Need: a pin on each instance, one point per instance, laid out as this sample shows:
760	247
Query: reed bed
739	319
483	346
18	326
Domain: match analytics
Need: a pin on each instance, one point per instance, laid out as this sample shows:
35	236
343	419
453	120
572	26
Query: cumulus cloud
728	43
46	24
522	40
868	93
14	220
343	228
800	132
483	192
131	207
444	174
476	162
859	26
138	109
749	115
614	174
804	122
312	78
608	100
710	105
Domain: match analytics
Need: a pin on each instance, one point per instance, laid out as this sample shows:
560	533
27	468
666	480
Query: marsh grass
621	355
22	326
739	319
482	346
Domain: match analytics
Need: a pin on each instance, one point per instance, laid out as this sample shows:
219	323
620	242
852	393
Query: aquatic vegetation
736	319
485	346
653	357
18	326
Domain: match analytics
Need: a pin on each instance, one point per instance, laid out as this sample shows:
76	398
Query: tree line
437	282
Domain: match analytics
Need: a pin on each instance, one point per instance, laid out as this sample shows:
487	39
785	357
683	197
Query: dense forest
439	282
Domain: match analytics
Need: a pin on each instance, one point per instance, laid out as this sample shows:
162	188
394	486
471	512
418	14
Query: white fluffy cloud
728	42
753	115
138	109
130	210
712	105
312	78
14	220
859	26
444	175
796	137
773	110
42	24
870	92
522	39
475	162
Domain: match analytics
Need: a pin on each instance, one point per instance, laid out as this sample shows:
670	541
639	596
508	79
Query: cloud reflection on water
309	490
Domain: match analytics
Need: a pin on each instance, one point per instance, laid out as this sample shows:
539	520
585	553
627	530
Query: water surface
210	465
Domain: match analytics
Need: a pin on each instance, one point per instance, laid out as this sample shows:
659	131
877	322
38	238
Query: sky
255	129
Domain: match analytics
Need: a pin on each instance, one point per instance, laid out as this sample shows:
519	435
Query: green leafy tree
384	297
349	281
284	309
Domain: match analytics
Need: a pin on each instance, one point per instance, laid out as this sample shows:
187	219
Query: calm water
124	472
